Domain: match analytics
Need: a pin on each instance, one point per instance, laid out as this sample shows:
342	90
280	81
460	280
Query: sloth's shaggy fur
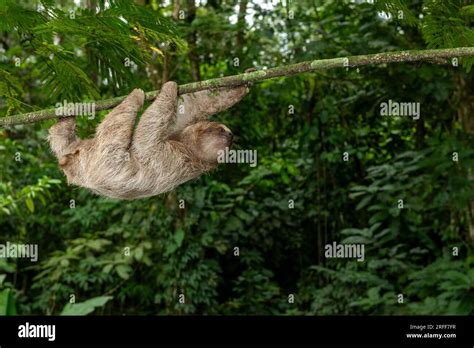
172	143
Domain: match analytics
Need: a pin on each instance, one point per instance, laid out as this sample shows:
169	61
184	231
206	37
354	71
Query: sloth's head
206	139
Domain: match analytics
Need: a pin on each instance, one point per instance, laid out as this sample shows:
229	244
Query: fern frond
447	24
10	89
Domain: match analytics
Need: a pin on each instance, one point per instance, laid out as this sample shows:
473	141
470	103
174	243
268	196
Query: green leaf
138	254
179	237
364	202
7	302
170	248
29	204
373	294
107	268
123	271
243	215
285	178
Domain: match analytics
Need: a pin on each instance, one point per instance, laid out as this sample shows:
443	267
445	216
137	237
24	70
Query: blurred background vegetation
52	51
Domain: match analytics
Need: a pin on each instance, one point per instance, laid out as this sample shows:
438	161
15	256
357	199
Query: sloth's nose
227	132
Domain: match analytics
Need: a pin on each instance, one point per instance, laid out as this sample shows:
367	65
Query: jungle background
52	51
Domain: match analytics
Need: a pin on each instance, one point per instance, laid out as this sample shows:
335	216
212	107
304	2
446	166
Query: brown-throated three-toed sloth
170	145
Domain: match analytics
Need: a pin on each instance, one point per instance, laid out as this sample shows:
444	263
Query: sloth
170	145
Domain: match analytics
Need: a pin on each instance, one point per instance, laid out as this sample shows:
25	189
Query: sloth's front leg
198	106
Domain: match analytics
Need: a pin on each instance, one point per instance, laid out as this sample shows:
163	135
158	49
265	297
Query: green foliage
443	24
86	307
453	282
454	18
396	240
7	296
247	237
7	301
75	50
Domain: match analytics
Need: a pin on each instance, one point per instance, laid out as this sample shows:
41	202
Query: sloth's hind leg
157	121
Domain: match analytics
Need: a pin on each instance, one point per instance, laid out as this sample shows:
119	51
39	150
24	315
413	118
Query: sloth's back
135	176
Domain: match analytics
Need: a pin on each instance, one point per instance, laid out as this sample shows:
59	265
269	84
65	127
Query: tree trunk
170	52
466	116
241	25
420	133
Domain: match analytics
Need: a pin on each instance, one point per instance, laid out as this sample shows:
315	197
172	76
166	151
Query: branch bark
254	76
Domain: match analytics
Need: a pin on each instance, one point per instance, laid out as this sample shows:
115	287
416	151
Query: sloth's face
207	139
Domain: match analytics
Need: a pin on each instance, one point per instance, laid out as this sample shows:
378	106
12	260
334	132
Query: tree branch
288	70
